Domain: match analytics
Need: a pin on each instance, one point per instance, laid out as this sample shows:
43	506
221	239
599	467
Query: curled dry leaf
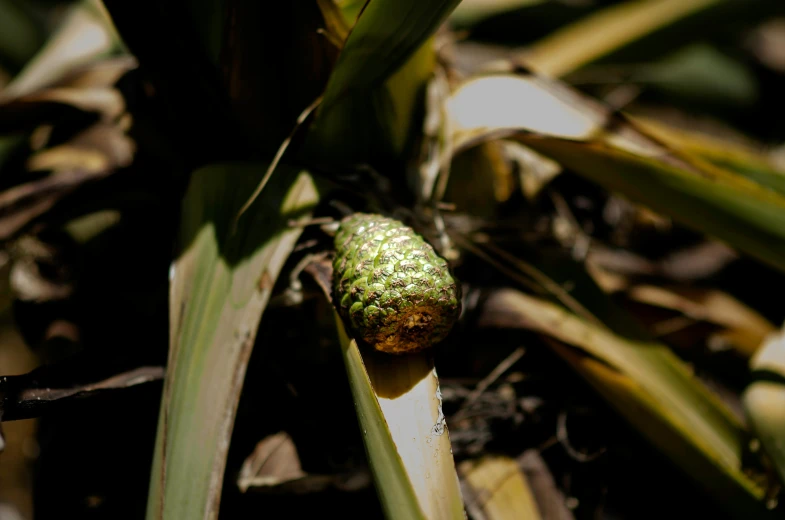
275	466
100	73
273	461
23	203
102	147
93	153
29	395
105	101
89	89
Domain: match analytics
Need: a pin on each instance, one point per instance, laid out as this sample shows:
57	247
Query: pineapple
394	291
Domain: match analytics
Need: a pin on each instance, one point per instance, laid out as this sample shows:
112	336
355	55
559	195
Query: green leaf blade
377	82
220	286
399	409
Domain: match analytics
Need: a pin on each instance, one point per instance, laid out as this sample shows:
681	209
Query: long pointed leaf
745	159
387	33
654	391
220	285
605	31
362	117
586	137
398	404
393	485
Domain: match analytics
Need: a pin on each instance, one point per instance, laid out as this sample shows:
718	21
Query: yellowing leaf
653	390
606	30
583	135
499	489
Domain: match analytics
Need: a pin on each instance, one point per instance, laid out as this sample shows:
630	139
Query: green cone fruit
390	286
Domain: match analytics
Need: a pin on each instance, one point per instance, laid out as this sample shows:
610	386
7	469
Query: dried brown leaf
273	461
23	203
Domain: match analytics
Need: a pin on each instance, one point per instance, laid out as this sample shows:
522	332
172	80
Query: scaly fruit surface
390	286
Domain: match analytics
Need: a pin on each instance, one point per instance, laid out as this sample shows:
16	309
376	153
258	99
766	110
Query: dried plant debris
274	467
30	395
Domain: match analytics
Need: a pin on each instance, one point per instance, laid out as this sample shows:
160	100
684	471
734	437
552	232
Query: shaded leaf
20	34
351	9
536	171
480	178
385	36
86	227
362	117
219	56
80	156
102	147
635	404
473	11
85	34
88	89
336	27
23	203
702	74
700	261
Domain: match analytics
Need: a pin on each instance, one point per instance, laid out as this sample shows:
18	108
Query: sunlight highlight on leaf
605	147
399	407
